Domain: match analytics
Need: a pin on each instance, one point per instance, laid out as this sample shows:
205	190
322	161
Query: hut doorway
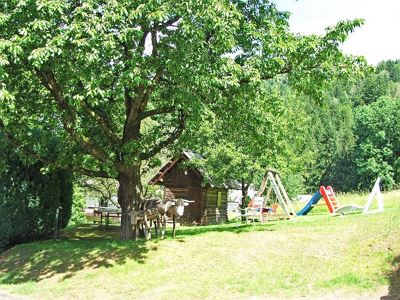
194	210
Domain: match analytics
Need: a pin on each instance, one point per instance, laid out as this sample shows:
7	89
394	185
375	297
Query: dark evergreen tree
29	199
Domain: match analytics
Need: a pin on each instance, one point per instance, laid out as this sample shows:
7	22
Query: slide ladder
330	198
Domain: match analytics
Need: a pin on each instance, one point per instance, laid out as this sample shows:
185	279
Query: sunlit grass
309	256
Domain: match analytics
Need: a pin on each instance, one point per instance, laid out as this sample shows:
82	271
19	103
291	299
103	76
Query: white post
376	191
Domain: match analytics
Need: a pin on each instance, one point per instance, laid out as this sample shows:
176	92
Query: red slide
330	198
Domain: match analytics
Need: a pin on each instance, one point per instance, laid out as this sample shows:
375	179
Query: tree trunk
243	204
245	189
129	198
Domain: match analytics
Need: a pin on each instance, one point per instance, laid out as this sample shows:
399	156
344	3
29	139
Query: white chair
253	212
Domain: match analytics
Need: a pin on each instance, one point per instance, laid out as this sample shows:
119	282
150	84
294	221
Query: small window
219	199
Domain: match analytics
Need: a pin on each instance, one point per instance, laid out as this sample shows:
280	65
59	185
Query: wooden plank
278	193
285	195
263	185
163	171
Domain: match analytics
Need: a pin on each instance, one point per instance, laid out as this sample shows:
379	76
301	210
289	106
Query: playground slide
350	208
309	206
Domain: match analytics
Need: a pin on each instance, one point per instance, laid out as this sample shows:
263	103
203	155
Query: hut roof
191	155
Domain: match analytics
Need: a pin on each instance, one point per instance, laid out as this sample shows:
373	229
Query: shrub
78	205
29	199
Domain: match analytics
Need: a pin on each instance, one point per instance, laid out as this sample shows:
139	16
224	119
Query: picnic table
107	212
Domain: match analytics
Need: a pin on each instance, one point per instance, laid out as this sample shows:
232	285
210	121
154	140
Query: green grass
311	256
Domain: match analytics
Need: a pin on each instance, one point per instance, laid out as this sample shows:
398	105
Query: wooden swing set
257	209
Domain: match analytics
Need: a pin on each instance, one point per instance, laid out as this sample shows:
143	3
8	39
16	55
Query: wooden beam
163	171
285	195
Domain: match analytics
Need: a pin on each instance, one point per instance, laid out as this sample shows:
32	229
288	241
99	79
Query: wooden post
282	188
263	185
56	233
108	218
269	193
278	193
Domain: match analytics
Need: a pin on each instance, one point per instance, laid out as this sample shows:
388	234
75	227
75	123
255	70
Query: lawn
314	256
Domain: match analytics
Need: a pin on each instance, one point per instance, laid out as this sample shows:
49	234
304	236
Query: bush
29	200
78	206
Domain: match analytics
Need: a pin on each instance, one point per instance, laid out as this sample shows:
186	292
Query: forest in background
354	132
346	136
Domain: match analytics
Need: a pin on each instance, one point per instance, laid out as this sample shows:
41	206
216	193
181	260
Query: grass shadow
90	247
87	246
394	281
228	227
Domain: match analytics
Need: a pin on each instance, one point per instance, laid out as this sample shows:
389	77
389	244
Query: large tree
118	81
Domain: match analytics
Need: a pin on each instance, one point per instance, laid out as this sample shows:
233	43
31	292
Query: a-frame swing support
272	177
376	192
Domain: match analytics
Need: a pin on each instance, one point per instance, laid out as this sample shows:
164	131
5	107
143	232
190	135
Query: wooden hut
211	200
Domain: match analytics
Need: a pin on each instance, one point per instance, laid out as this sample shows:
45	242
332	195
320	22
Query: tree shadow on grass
230	227
90	247
394	281
85	247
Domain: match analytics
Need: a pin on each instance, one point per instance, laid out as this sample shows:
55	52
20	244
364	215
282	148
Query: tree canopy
115	82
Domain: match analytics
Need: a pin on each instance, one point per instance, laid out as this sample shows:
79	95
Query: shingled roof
191	155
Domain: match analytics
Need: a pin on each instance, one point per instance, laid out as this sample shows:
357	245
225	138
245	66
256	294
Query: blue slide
309	206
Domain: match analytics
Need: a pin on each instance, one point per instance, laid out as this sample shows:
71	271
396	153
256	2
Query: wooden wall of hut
210	206
216	206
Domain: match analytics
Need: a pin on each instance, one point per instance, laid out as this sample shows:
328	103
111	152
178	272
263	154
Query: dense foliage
355	132
119	81
271	136
78	207
378	147
29	199
346	138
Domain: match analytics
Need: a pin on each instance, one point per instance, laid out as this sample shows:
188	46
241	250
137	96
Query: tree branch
146	97
67	115
285	70
91	173
93	188
172	138
170	22
154	42
142	42
102	122
46	160
154	112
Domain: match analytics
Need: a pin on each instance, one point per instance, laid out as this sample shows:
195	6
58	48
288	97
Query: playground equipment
273	181
334	206
257	210
330	198
376	192
310	204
